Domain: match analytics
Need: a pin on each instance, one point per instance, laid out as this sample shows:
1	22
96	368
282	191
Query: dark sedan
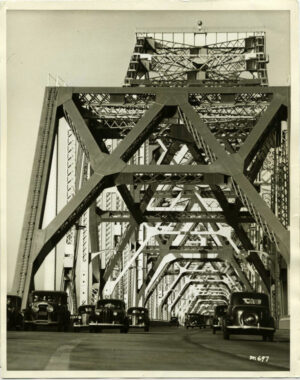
109	313
249	313
139	318
14	316
47	308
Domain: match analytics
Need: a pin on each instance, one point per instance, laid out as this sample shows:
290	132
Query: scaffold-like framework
177	182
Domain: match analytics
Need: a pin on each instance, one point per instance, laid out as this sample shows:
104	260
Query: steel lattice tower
174	178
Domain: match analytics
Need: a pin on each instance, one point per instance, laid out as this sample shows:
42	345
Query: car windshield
49	297
110	304
250	299
86	309
219	310
137	311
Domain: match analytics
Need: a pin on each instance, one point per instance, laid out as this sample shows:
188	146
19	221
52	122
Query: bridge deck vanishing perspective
177	182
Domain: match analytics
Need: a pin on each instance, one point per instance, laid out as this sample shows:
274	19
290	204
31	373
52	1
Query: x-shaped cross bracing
112	169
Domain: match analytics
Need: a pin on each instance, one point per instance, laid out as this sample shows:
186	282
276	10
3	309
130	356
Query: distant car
47	308
138	317
109	313
14	315
174	321
82	319
220	311
249	313
194	320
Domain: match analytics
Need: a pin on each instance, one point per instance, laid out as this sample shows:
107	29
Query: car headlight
249	318
35	308
115	313
50	308
97	313
79	317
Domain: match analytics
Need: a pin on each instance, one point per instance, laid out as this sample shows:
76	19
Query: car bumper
78	325
237	329
41	323
141	325
106	324
216	326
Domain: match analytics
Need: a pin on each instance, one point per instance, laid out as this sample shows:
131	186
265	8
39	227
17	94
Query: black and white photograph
150	190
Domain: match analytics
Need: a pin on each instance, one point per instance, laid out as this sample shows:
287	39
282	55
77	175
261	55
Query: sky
93	48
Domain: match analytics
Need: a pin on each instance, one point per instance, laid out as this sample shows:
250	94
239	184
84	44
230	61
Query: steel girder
195	282
36	242
172	216
224	254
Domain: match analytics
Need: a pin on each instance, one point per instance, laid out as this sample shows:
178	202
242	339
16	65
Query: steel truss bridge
174	188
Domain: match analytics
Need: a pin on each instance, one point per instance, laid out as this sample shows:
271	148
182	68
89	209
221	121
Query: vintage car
138	317
14	317
249	313
82	318
47	308
109	313
220	311
194	320
174	321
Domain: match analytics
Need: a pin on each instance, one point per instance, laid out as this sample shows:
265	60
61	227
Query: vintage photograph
148	177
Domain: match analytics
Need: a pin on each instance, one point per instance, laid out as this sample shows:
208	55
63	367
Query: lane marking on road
60	360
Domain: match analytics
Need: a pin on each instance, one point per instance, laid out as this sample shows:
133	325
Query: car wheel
225	334
76	329
26	327
264	338
213	331
146	328
92	329
271	337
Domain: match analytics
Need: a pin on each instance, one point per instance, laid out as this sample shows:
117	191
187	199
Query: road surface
162	349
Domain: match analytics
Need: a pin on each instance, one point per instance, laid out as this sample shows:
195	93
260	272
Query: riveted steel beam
234	165
149	192
171	216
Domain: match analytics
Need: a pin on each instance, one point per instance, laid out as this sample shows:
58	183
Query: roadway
162	349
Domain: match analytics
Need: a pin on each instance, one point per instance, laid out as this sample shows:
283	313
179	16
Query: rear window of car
110	305
252	301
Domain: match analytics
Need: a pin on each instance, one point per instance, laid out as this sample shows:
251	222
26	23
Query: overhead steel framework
177	183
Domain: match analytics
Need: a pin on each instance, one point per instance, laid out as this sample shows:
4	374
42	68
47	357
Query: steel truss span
177	183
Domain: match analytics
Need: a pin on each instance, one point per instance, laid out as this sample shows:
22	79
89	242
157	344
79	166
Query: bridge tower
177	182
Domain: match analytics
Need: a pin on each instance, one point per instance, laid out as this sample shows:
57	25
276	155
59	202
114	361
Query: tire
213	331
76	329
92	329
226	335
146	328
264	338
271	337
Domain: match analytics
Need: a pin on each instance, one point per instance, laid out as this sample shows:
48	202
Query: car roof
14	296
45	292
137	308
111	300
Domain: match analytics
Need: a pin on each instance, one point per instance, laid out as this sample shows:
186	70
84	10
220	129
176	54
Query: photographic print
148	192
